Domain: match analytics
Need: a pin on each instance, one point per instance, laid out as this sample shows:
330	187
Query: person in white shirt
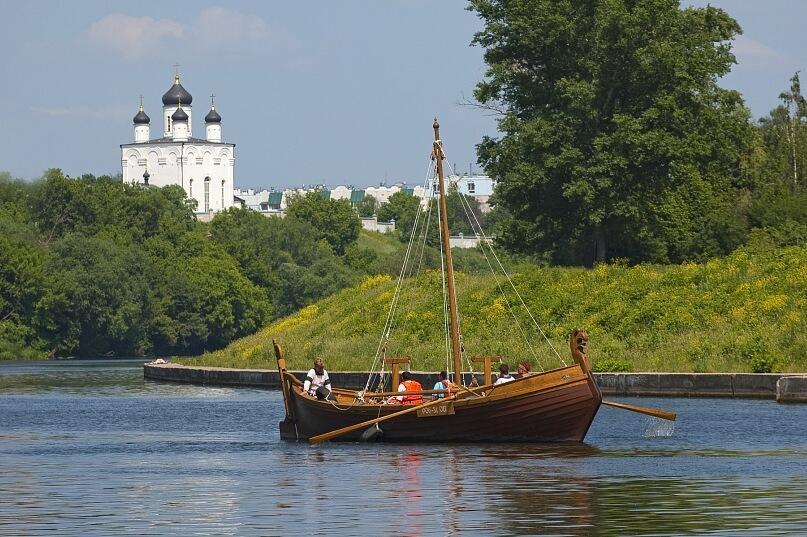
504	375
317	378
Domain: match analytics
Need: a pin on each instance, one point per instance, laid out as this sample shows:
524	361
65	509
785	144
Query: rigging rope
408	270
415	273
486	242
499	285
388	324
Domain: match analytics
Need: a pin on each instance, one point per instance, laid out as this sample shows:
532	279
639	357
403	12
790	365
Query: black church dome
177	95
141	118
212	116
179	115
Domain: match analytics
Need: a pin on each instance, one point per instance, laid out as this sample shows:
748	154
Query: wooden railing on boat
368	395
395	364
486	362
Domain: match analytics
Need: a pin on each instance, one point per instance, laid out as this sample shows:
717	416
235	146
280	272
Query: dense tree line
91	266
618	142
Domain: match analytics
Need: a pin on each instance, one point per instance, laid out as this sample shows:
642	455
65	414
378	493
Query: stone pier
784	388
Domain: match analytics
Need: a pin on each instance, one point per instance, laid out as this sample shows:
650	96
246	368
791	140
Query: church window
169	123
222	194
190	191
207	194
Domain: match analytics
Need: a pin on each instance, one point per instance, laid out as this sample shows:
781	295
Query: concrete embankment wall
741	385
792	389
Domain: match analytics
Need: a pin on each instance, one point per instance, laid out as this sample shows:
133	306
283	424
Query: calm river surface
89	447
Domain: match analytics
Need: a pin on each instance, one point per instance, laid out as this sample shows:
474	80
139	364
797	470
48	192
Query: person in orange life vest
409	385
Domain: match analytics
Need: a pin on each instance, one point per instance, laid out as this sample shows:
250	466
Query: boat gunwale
491	393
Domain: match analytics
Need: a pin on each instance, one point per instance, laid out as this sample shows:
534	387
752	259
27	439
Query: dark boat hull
555	406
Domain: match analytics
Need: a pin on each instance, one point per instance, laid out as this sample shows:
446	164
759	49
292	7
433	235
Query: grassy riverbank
745	312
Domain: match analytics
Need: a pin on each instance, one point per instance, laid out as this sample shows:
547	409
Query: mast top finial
436	124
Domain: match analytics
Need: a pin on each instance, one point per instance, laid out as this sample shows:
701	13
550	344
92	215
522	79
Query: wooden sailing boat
555	405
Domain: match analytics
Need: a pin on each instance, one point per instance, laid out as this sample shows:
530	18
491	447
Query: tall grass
745	312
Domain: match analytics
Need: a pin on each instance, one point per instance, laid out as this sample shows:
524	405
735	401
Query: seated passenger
442	384
409	385
523	369
317	382
504	375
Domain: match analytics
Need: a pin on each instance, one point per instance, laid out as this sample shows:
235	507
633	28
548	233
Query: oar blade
655	412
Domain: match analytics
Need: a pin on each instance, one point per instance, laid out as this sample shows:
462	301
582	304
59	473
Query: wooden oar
663	414
344	430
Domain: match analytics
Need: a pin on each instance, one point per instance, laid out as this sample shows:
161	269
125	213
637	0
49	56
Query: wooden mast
438	155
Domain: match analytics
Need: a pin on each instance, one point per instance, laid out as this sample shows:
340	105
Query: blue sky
309	91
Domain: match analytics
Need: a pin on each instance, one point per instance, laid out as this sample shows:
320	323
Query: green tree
14	198
89	205
97	298
202	301
402	208
267	249
367	206
779	205
787	124
22	278
463	213
335	220
617	140
494	219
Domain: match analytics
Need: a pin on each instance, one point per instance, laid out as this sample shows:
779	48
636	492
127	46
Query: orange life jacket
412	386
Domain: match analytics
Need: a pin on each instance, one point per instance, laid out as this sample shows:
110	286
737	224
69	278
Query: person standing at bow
317	382
408	384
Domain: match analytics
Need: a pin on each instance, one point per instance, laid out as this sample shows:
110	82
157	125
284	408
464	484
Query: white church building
201	166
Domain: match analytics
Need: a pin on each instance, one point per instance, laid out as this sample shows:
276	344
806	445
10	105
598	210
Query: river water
90	447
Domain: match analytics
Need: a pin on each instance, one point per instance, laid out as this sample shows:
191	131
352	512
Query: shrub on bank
741	313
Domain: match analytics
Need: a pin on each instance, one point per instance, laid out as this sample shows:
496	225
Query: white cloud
219	26
134	37
114	112
751	52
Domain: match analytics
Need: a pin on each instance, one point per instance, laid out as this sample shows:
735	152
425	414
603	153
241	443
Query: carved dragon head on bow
578	342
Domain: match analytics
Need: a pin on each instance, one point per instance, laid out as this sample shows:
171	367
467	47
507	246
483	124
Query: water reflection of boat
553	405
